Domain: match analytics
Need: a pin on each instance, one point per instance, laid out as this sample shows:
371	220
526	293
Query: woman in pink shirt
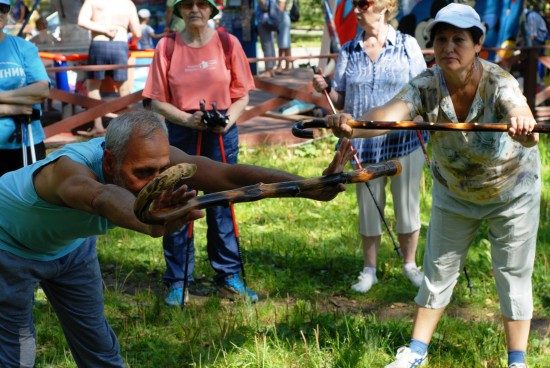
200	64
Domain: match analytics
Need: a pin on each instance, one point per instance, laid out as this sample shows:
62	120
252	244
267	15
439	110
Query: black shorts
108	53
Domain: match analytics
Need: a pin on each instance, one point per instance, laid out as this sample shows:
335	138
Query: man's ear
109	163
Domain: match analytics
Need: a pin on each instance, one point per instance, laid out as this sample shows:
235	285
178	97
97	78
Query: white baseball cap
143	13
5	2
458	15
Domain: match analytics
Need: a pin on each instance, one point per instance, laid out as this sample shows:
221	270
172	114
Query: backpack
270	17
295	12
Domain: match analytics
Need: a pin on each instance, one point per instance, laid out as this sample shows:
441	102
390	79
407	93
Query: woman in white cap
477	176
24	84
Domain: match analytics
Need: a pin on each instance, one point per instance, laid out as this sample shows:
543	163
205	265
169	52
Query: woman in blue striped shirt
370	70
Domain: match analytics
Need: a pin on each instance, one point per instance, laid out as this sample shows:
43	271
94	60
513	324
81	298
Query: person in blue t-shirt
53	209
24	84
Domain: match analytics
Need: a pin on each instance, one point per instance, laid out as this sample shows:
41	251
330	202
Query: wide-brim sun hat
215	9
458	15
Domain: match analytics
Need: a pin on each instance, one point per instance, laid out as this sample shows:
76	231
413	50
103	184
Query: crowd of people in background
155	24
66	33
107	36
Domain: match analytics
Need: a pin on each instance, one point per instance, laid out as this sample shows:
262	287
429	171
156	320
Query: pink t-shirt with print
195	74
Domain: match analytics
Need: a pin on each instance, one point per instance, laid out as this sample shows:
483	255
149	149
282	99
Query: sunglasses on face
201	4
4	9
362	5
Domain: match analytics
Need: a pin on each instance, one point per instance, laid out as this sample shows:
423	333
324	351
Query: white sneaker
366	280
517	365
405	358
414	275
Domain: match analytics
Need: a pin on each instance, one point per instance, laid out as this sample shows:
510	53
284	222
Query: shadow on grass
307	312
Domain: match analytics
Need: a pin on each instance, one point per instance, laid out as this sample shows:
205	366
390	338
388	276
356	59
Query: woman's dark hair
474	31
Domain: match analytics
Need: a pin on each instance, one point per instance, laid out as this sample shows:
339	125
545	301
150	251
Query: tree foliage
311	14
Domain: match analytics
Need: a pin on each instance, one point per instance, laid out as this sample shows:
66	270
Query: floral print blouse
475	166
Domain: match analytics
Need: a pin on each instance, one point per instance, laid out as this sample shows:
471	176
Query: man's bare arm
70	184
212	176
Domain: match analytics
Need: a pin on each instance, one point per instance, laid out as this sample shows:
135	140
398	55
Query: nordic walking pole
189	237
26	131
23	145
186	268
419	135
325	92
396	246
470	284
213	119
31	143
237	239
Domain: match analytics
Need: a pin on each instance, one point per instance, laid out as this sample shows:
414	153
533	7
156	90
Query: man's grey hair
118	133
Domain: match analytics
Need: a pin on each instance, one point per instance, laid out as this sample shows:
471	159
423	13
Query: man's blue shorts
108	53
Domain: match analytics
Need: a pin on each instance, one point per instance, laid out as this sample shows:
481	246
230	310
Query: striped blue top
367	84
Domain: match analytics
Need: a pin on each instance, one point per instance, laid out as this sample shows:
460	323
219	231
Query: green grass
301	257
300	42
305	40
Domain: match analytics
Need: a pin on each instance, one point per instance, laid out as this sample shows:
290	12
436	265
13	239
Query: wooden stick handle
300	129
298	188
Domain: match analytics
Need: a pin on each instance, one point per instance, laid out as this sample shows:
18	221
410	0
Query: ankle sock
516	356
409	265
418	347
369	270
